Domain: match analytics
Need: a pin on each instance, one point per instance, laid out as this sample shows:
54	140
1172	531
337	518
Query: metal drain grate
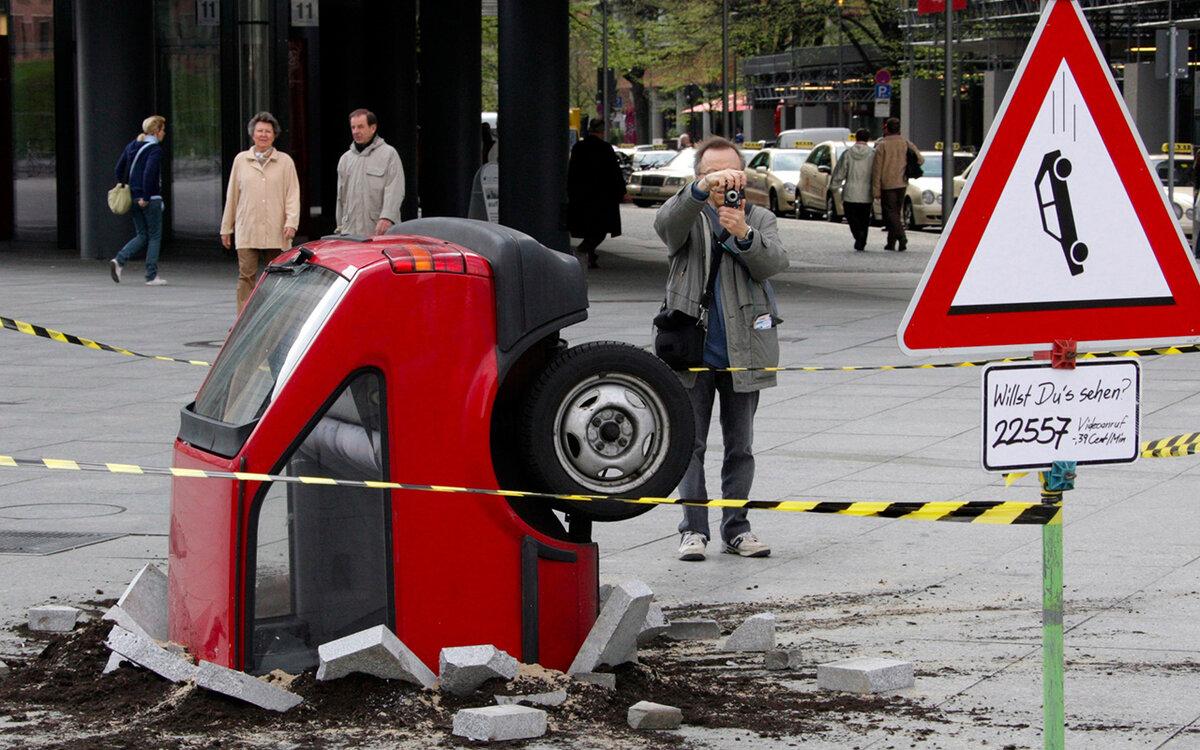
47	542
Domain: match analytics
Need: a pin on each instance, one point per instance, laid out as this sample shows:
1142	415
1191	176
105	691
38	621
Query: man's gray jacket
370	187
682	225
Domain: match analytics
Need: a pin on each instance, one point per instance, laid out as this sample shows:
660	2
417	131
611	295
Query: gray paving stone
649	715
53	618
118	616
374	651
143	651
551	698
757	633
242	686
865	675
462	669
693	630
145	601
782	658
606	680
495	723
654	625
114	663
613	638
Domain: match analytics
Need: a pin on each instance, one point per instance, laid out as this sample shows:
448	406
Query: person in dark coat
595	189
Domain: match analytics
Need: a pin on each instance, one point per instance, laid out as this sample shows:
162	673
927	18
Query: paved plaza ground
960	601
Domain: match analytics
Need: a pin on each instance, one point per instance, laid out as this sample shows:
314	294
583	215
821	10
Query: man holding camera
705	217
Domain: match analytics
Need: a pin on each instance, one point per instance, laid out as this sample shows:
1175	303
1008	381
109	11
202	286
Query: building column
534	96
921	111
1146	98
113	65
995	86
450	103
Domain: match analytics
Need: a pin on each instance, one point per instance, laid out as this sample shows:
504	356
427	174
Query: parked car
814	197
923	199
771	177
807	137
1183	197
649	186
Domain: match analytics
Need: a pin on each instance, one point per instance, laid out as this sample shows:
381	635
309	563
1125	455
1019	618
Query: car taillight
413	258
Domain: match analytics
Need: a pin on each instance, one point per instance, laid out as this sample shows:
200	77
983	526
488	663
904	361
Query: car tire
773	200
831	214
801	211
642	204
606	418
909	218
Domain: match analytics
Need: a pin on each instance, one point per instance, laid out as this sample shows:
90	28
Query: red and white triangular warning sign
1063	231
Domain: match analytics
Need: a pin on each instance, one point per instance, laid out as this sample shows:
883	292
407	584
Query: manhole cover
47	542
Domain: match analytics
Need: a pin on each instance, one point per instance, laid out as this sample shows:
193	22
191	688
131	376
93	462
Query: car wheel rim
611	431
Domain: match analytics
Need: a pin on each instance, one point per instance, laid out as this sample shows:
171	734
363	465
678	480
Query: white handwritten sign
1034	415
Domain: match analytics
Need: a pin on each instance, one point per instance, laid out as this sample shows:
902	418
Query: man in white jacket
370	186
853	175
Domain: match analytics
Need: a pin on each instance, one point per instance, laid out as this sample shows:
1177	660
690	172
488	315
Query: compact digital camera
733	198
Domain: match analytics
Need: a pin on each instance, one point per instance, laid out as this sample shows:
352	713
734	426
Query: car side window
758	161
814	157
824	158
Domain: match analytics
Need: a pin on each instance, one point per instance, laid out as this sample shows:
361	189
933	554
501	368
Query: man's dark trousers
891	200
858	216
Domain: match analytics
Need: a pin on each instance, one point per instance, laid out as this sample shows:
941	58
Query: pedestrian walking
370	180
595	189
695	224
140	167
853	174
262	204
889	180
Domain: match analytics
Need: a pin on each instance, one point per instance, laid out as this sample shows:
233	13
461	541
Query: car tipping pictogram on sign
1053	175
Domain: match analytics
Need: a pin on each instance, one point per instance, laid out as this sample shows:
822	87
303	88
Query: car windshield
685	159
933	163
788	162
286	312
1184	172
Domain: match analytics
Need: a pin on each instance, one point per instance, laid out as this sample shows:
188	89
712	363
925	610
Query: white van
809	137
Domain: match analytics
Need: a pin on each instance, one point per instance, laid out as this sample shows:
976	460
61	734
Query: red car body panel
457	558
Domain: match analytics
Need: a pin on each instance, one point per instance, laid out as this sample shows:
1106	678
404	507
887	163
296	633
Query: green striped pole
1053	718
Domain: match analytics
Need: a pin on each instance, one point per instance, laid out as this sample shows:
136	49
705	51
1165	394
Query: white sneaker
114	270
746	545
691	546
157	281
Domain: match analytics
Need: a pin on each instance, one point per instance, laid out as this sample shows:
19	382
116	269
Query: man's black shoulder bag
679	337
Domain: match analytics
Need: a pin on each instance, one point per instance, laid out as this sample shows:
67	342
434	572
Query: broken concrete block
242	686
648	715
757	633
606	680
118	616
4	670
374	651
865	675
551	698
115	661
602	595
493	723
53	618
613	638
693	630
462	669
653	626
144	652
145	601
782	658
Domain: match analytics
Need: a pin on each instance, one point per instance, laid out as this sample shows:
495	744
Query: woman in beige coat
262	204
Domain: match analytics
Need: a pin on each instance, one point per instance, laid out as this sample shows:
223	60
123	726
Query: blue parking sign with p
883	91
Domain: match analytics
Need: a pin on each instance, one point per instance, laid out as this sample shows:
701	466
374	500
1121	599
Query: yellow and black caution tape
1179	445
979	511
66	338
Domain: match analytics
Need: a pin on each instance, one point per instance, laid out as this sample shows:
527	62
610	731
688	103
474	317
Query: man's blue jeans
737	469
148	224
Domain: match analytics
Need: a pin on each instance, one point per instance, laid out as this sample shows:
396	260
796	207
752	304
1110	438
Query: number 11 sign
1034	415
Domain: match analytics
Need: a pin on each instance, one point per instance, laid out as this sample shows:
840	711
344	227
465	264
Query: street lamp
725	68
841	73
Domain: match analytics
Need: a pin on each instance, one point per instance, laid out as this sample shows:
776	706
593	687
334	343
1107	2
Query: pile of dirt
60	699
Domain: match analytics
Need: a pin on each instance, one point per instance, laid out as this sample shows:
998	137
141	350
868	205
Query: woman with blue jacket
140	167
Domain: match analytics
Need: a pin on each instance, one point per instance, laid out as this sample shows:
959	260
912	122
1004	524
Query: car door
812	181
756	178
